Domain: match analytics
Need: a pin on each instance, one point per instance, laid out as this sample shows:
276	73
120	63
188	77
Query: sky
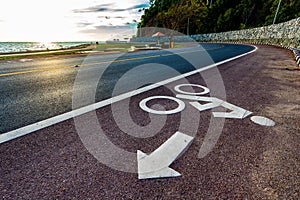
69	20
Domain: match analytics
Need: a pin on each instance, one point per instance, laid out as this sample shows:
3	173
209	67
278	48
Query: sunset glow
68	20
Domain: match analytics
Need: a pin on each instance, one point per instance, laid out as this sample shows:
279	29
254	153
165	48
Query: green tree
222	15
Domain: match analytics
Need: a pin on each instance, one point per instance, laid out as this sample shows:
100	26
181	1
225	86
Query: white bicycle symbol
236	112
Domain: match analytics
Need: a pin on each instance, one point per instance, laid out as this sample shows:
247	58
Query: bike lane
54	163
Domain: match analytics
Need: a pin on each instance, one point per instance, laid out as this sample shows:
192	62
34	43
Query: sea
8	47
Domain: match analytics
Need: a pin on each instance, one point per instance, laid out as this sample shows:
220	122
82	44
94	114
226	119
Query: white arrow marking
156	165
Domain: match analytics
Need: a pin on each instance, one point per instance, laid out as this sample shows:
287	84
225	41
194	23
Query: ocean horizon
10	47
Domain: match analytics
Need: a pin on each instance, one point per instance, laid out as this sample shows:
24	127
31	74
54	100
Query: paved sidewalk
248	162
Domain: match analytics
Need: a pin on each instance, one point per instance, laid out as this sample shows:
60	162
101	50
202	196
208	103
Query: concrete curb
296	52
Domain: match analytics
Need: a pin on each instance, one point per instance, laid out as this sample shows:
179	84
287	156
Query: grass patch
179	46
120	47
46	54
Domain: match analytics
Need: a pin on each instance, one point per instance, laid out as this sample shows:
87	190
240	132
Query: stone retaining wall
163	39
284	34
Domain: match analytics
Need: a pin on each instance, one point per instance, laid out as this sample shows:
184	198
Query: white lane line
5	137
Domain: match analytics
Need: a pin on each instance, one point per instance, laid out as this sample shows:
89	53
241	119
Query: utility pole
140	30
209	2
277	12
188	27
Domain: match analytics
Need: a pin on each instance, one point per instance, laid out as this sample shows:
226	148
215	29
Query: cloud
109	32
139	6
106	29
109	8
114	17
111	20
132	24
84	24
111	27
98	8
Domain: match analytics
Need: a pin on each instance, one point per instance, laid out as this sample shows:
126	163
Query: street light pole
277	12
188	27
209	2
140	30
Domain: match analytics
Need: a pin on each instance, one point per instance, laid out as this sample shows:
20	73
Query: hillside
206	16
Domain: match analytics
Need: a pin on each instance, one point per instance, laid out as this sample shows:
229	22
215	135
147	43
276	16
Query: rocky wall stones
284	34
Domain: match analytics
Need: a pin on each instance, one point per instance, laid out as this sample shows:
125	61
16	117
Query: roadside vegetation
40	55
122	47
210	16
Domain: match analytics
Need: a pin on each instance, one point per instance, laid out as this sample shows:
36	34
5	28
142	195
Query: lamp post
277	12
188	27
209	2
140	30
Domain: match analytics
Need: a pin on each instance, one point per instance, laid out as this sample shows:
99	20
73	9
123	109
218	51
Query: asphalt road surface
248	161
35	90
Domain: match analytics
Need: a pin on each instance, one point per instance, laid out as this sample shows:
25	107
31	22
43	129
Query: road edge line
11	135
